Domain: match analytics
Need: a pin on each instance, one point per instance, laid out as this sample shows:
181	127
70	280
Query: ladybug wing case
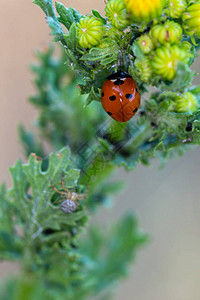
120	98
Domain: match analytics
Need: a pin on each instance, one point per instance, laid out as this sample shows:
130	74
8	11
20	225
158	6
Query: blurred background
166	201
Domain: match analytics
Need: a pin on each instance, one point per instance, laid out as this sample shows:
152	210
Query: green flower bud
175	8
90	31
145	43
191	19
186	103
186	46
169	32
143	69
117	14
166	59
143	11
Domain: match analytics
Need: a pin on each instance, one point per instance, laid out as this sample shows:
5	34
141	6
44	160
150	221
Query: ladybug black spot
135	110
118	82
112	98
109	113
102	95
129	96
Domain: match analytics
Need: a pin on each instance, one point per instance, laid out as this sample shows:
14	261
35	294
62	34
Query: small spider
70	203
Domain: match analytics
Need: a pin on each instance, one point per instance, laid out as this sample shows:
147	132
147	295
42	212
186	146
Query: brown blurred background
167	201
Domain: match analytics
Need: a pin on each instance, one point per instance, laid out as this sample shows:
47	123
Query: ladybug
120	96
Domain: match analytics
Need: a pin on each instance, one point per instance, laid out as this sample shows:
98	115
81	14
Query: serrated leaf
67	15
112	252
104	55
39	181
6	222
18	191
56	30
29	142
47	7
72	177
37	208
71	38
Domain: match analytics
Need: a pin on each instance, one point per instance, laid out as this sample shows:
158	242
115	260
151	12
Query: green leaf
5	208
36	206
47	7
137	51
112	252
19	190
97	15
93	96
29	142
40	182
67	15
11	244
71	38
106	55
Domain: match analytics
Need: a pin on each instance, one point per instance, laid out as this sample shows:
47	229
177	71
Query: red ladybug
120	96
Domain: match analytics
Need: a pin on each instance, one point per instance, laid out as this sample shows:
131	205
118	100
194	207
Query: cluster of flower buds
163	30
165	42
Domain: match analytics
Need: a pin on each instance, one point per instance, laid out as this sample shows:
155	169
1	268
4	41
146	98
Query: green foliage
105	56
67	16
59	258
47	240
118	49
30	202
100	144
47	7
112	252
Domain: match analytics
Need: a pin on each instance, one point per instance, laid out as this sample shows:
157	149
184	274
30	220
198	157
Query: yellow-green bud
145	43
117	14
143	69
90	31
186	103
191	19
166	59
186	46
144	11
175	8
169	32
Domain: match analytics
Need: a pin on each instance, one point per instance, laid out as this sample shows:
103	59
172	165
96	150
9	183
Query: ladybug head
118	75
